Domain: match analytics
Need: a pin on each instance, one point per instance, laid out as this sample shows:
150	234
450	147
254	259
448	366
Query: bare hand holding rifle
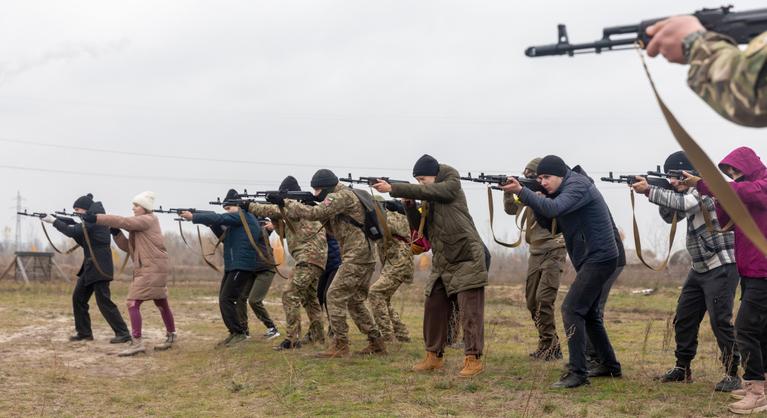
512	185
382	186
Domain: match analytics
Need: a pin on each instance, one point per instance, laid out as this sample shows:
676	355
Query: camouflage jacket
540	239
731	81
334	212
307	244
399	258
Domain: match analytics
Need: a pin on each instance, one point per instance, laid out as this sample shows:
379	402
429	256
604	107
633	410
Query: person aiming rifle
96	271
248	267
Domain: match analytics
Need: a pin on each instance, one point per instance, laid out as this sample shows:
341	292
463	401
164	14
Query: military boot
472	366
376	345
337	348
136	346
170	339
753	402
740	393
433	361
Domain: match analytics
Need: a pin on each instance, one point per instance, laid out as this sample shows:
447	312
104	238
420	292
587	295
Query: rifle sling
270	261
638	240
67	252
725	195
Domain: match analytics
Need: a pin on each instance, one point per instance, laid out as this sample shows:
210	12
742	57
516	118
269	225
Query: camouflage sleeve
398	224
731	81
264	211
333	205
510	203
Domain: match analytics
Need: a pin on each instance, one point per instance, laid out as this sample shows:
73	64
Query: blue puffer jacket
582	216
238	252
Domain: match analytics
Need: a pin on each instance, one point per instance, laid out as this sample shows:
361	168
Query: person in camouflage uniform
733	82
398	268
340	209
544	269
309	248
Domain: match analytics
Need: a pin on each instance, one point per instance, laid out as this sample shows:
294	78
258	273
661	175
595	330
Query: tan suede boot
376	345
741	393
431	362
472	366
336	349
753	402
136	346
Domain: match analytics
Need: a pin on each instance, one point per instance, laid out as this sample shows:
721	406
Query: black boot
570	380
728	384
78	337
602	371
677	374
120	339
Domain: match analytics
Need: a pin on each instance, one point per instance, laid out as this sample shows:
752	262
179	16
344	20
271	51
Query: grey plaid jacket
708	249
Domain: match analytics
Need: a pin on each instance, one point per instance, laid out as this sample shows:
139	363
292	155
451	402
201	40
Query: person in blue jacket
248	273
584	219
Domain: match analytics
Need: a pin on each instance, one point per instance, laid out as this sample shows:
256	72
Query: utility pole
18	221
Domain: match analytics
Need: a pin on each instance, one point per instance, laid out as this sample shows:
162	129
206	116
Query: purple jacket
752	190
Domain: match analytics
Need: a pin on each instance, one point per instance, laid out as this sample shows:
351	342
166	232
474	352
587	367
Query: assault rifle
631	179
672	174
741	26
370	180
235	202
307	198
33	214
501	179
177	211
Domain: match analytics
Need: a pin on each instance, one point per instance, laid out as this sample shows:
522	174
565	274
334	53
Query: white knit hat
145	200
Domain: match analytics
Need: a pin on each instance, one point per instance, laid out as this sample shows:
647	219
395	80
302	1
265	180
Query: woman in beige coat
150	267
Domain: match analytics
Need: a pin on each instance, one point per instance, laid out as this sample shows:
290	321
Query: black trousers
233	299
712	292
581	316
80	298
591	352
751	327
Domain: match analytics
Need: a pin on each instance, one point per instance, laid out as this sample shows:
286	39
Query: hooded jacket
101	242
752	190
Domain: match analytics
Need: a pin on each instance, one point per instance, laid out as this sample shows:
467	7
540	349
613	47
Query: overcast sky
271	88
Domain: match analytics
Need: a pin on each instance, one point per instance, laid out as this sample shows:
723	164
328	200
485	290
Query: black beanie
426	166
553	166
83	202
324	179
678	161
290	184
231	195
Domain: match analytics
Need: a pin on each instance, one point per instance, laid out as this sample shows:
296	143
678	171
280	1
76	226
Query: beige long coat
147	247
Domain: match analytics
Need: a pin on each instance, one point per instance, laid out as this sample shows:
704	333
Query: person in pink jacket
151	266
750	183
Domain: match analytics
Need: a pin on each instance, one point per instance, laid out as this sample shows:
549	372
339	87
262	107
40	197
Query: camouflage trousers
302	291
386	317
347	293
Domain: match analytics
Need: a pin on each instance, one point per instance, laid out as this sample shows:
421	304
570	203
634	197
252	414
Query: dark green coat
459	255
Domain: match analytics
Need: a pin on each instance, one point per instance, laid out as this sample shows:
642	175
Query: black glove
276	199
89	217
244	205
66	220
115	231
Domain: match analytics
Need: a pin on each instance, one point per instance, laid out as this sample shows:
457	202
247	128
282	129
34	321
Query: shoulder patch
328	200
757	44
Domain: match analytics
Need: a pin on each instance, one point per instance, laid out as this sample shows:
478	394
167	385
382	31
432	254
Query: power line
231	161
136	177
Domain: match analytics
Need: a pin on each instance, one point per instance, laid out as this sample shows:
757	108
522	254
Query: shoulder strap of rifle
638	240
707	218
268	260
491	209
726	197
87	237
45	231
202	249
